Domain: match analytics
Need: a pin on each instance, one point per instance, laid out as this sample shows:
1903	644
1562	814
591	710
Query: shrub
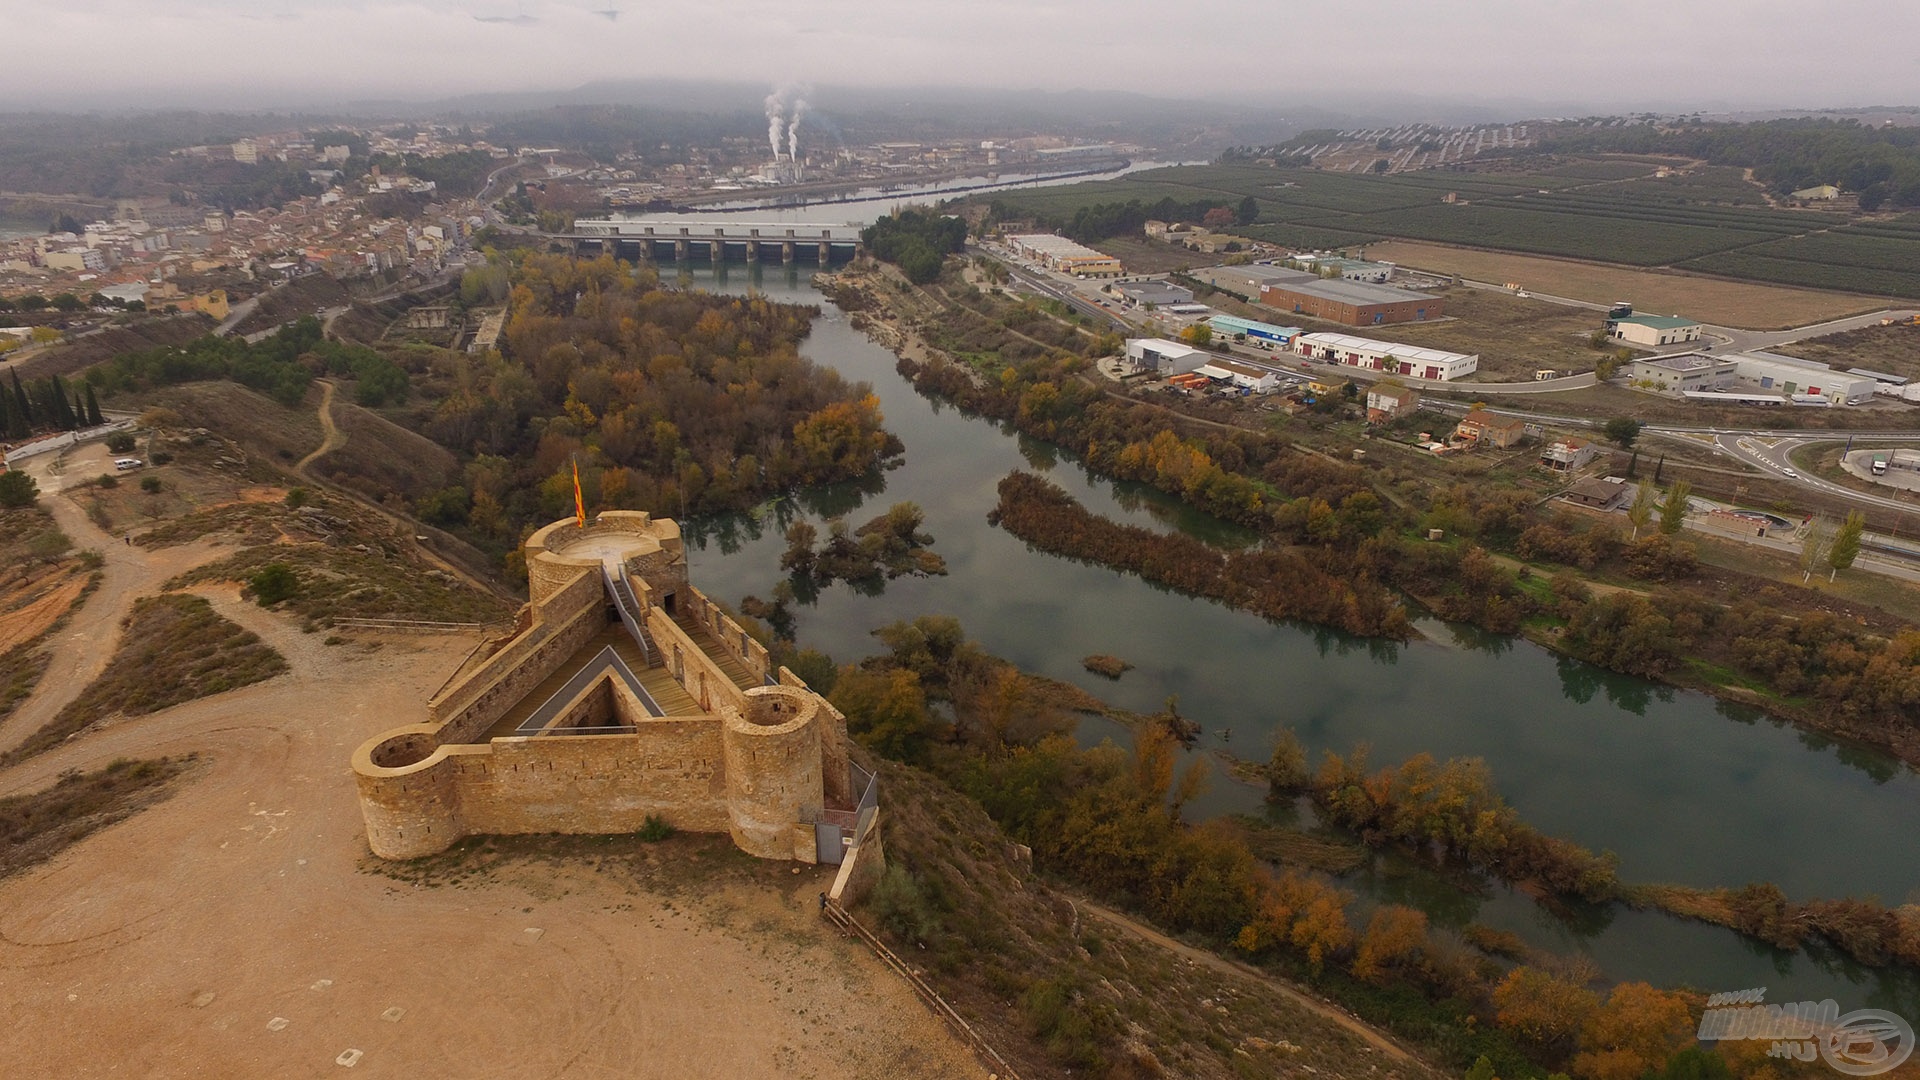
107	480
151	485
655	829
297	497
900	907
17	489
121	442
161	457
275	582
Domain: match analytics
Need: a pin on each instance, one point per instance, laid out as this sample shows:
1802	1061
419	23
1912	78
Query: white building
1165	357
1242	376
1654	330
1790	376
1411	361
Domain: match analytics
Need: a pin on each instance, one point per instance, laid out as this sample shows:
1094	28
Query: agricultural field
1880	261
1892	349
1707	220
1726	303
1557	230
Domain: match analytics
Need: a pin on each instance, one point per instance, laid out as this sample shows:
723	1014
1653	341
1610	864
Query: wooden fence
989	1057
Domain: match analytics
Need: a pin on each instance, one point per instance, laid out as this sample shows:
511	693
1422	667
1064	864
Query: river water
1682	788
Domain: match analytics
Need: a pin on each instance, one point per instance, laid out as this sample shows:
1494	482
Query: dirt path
239	928
1222	964
335	438
81	648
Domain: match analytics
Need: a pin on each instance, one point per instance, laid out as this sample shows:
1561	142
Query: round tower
773	768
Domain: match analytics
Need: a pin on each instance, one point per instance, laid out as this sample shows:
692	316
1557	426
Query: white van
125	463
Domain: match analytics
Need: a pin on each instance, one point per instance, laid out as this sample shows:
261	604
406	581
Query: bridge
651	237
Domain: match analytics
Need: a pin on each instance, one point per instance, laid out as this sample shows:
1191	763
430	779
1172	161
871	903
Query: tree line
46	405
917	240
1881	164
1101	221
281	365
1278	583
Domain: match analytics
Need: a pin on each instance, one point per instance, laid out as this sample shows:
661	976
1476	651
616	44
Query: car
1791	475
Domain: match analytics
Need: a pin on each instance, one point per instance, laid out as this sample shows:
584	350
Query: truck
1879	464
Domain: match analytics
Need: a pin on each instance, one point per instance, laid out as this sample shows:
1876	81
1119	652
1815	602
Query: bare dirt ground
30	620
82	647
239	928
1714	300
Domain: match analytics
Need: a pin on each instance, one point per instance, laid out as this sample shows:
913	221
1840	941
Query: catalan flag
579	502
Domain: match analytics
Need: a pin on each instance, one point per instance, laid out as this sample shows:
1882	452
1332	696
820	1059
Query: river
1682	788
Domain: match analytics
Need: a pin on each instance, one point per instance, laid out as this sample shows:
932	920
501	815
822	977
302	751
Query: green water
1683	788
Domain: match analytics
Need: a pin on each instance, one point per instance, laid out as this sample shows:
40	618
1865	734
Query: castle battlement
622	693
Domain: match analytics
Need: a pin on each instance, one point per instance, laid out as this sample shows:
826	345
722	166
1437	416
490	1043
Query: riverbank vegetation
1108	821
1451	811
1643	606
1276	582
889	546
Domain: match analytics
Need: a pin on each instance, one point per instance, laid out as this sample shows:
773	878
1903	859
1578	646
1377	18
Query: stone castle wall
562	621
760	764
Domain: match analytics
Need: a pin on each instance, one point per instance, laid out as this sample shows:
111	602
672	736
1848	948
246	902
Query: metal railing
628	606
423	625
536	723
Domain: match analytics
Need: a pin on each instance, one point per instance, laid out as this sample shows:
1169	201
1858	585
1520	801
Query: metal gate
829	843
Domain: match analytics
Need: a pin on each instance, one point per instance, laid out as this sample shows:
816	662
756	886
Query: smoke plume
785	106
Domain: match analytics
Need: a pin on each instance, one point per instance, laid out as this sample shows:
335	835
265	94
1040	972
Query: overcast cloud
1707	54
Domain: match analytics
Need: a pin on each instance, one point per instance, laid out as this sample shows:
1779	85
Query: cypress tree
20	402
6	416
62	409
94	418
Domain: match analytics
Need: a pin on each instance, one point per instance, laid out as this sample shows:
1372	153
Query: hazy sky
1705	54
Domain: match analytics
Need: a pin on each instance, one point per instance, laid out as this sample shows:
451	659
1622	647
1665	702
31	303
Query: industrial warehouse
1757	378
1260	335
1062	254
1411	361
1356	303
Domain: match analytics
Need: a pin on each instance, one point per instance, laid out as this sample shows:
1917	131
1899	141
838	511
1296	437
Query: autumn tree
1545	1010
1641	512
1287	770
885	710
1394	936
1634	1033
1673	512
1815	543
1846	543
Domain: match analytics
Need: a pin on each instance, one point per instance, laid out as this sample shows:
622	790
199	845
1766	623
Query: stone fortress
621	693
